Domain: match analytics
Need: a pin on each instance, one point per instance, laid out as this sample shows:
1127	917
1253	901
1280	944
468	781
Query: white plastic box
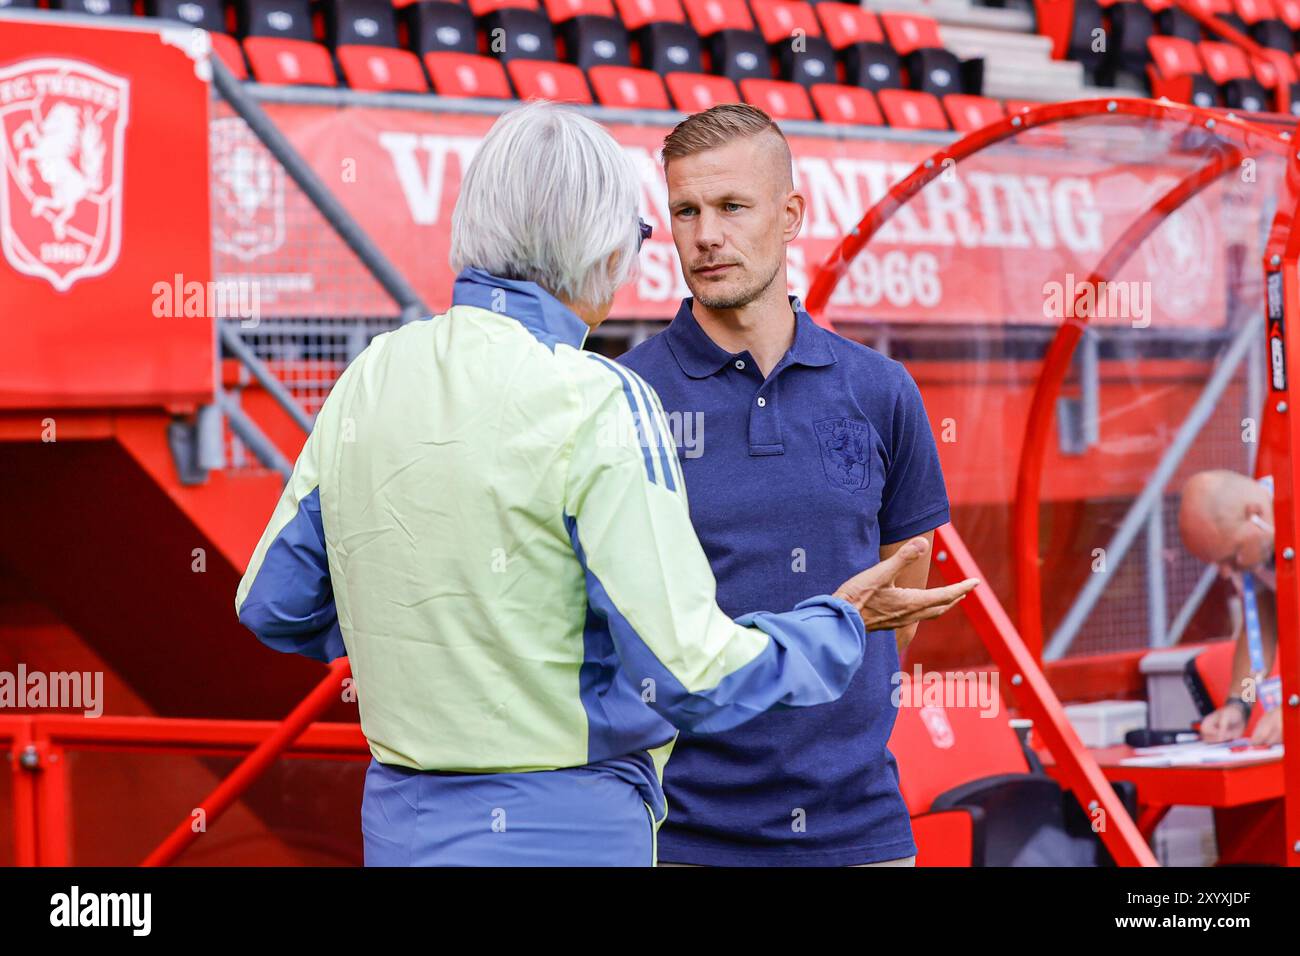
1105	722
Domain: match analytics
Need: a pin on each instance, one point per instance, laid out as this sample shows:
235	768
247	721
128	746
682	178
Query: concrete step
1019	47
960	13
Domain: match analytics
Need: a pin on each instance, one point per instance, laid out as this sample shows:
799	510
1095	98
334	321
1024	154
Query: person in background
1225	519
489	522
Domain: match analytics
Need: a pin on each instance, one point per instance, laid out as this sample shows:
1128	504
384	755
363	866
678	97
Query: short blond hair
717	126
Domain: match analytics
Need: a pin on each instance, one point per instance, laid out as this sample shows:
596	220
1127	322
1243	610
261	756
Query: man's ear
795	207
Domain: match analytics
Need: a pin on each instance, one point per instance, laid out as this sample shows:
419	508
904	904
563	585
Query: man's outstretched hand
885	606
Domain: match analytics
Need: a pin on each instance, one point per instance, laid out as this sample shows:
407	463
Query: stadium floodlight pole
255	764
342	221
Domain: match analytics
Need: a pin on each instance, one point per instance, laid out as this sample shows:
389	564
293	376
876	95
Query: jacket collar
550	320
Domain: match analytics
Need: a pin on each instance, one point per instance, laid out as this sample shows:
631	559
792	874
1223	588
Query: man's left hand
1269	729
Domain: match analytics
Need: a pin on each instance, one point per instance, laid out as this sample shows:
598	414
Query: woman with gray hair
491	523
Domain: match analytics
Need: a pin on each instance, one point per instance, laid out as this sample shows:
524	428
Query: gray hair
548	197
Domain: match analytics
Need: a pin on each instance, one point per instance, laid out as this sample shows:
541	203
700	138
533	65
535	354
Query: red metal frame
322	697
40	786
1280	437
1014	656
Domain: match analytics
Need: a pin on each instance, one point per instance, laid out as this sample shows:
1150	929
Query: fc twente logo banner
62	130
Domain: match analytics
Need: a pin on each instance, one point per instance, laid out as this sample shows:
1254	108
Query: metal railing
38	747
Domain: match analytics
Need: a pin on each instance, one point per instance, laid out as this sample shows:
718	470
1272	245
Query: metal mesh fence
317	304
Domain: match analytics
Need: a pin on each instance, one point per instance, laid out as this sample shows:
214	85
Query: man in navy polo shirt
809	457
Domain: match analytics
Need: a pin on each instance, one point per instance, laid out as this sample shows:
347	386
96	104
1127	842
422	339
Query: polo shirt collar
549	319
699	356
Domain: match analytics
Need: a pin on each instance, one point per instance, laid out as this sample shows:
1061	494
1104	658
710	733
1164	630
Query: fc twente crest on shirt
845	446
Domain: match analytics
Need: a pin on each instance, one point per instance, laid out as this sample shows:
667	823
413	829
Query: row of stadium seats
833	61
1158	47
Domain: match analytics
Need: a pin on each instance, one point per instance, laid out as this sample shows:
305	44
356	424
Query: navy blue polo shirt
794	482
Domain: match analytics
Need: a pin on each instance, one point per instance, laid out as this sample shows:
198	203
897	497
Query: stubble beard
739	298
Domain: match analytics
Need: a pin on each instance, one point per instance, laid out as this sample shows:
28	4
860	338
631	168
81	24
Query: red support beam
1280	439
325	694
1077	769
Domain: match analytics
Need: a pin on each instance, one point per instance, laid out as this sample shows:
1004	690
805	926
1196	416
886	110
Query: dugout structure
1160	343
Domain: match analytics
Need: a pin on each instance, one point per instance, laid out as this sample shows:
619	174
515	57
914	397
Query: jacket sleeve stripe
636	414
663	436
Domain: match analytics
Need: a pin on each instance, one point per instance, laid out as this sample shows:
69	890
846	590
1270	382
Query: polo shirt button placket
764	426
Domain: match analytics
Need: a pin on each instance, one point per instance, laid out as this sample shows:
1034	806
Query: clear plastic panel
300	812
1147	235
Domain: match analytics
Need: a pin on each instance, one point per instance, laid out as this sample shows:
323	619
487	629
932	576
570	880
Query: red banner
103	217
1007	238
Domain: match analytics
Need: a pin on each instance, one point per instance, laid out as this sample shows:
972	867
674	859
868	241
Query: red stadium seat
710	16
779	20
1288	11
1174	57
939	748
542	79
1176	71
693	92
481	8
1229	67
845	24
280	62
1224	62
971	112
468	75
957	758
912	109
1274	68
628	87
778	98
227	49
948	837
908	32
381	68
637	13
849	105
561	10
1253	11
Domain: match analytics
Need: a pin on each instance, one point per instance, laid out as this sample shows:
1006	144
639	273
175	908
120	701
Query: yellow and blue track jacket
491	524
